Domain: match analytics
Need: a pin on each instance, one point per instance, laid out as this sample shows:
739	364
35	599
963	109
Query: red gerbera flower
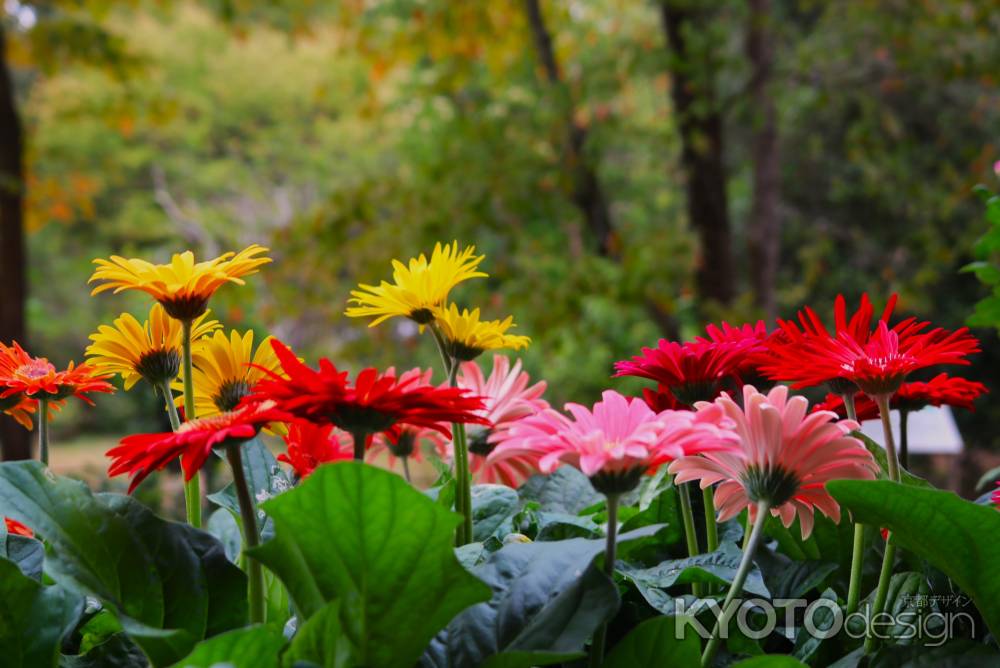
942	390
880	366
662	399
373	403
750	340
141	454
20	408
695	371
22	375
15	527
310	445
782	362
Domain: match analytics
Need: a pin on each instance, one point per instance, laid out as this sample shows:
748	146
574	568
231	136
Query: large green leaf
548	598
33	618
955	535
663	509
770	661
250	647
117	651
354	532
170	585
655	642
27	553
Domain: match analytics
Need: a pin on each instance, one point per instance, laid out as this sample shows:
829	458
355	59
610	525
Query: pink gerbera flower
508	397
784	459
615	442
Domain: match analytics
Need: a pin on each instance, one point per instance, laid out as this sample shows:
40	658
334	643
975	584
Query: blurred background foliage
630	168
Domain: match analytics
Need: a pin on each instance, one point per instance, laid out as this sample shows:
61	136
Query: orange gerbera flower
183	286
22	375
19	408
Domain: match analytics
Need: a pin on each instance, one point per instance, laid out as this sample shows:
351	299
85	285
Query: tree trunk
699	121
588	195
764	225
13	438
587	192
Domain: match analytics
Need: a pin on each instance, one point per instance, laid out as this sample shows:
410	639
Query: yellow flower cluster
419	291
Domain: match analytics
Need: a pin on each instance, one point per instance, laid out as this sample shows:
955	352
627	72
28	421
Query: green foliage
249	647
655	643
361	535
33	618
169	584
947	531
987	267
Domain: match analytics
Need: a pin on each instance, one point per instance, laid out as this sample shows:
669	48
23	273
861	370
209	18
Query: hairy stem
882	400
884	577
192	488
736	588
248	513
597	648
904	439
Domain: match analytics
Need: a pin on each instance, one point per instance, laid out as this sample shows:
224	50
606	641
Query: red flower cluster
942	390
373	403
699	370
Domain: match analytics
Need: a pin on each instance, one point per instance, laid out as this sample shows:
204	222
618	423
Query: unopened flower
183	286
150	350
419	287
785	457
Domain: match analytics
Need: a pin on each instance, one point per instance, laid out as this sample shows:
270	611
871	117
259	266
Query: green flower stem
168	399
684	494
882	400
248	513
888	559
736	588
857	555
711	528
43	431
597	648
884	577
192	488
904	439
463	480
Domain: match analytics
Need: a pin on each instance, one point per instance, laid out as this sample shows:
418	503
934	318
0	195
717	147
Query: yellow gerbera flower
184	286
151	350
223	374
418	289
467	336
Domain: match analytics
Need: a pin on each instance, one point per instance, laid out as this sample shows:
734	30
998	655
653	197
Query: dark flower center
422	316
185	308
159	366
230	394
842	386
479	442
611	483
362	419
774	485
463	352
693	392
405	445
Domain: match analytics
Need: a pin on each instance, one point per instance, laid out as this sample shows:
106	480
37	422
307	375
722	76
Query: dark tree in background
14	438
